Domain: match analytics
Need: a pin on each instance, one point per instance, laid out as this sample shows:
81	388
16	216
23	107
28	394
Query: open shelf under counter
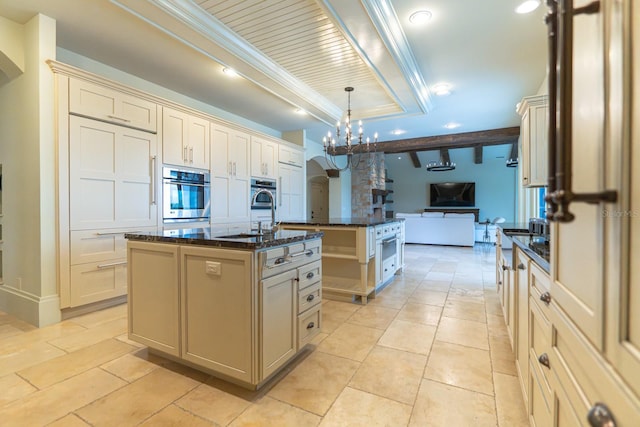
343	252
340	286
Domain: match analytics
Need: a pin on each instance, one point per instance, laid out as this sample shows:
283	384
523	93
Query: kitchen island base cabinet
218	310
153	302
216	334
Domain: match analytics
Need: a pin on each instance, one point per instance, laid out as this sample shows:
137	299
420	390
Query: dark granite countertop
536	248
344	222
514	227
221	238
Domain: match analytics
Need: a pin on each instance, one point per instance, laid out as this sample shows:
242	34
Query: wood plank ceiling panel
298	36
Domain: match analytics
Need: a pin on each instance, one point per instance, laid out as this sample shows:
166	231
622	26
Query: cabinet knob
311	325
544	360
505	267
310	298
521	266
600	416
545	298
310	275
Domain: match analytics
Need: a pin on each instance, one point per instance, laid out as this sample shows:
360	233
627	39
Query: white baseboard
33	309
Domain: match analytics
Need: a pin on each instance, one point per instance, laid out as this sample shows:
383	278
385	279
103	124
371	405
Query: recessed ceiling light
301	112
420	17
452	125
398	132
399	157
528	6
441	89
230	72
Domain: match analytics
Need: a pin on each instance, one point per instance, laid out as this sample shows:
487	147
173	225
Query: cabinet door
216	300
230	183
264	158
623	220
277	321
198	142
174	134
112	176
290	203
91	100
578	248
522	320
154	294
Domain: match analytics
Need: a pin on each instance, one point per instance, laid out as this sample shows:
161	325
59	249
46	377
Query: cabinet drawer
585	377
308	325
100	245
94	282
309	274
278	260
540	342
539	287
309	297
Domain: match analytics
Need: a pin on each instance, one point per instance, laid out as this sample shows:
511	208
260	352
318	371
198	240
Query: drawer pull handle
118	118
545	298
297	254
600	416
521	266
111	264
311	325
544	360
310	275
310	298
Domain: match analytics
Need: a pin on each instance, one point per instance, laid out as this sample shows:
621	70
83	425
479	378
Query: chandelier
347	143
443	165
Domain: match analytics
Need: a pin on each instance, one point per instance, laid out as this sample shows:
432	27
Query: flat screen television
452	194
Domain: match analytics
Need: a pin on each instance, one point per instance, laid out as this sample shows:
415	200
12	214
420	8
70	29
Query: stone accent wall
363	180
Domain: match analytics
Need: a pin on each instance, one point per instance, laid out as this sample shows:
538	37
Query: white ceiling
302	53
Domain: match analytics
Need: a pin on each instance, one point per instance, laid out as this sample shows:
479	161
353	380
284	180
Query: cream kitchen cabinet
216	310
533	140
521	319
154	303
185	139
264	158
278	295
290	155
230	175
236	312
112	176
291	187
103	103
584	328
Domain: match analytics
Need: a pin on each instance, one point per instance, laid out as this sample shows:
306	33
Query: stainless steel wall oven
262	201
186	195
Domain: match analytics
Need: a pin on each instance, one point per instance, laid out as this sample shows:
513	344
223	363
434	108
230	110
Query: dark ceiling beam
477	155
456	140
415	159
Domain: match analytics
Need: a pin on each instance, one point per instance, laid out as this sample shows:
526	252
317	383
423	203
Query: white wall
495	183
27	154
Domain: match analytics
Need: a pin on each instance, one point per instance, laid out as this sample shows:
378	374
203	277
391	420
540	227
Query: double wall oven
186	195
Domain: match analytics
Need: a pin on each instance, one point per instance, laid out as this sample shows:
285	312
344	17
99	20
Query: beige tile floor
431	350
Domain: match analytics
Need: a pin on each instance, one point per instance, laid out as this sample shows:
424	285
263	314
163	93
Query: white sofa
437	228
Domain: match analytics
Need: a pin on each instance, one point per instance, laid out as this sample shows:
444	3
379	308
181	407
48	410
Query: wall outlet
213	268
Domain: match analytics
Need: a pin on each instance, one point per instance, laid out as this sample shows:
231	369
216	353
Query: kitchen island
360	255
237	305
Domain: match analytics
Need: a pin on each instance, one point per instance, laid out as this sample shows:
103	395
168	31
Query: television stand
474	211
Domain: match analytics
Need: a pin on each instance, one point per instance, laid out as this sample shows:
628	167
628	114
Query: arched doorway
318	192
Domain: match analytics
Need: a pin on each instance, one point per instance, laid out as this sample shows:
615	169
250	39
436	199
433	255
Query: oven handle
193	184
389	240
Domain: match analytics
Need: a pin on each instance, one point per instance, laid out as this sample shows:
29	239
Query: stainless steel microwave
186	195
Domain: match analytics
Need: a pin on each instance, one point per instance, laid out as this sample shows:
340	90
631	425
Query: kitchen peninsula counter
236	305
360	255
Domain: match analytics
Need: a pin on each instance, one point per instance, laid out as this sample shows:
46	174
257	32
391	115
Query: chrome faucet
273	208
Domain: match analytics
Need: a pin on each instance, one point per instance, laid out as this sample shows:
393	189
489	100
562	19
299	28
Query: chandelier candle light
333	146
